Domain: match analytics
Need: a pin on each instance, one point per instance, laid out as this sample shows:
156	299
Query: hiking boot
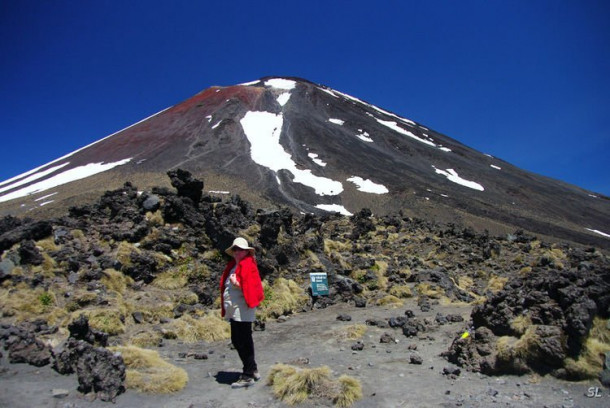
244	381
256	375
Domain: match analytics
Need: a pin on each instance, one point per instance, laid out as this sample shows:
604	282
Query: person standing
241	291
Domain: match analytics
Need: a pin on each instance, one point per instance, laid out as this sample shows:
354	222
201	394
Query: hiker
241	290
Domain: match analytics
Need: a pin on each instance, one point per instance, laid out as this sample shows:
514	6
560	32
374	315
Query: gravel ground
386	373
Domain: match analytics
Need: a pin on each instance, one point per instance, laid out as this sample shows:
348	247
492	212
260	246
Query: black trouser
241	337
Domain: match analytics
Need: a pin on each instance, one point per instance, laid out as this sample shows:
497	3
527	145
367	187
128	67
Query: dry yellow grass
284	297
496	283
429	290
47	244
294	386
520	324
350	332
590	362
148	372
115	280
174	278
107	319
401	291
146	338
209	328
389	300
23	303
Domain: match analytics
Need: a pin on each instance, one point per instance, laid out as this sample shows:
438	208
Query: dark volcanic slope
292	142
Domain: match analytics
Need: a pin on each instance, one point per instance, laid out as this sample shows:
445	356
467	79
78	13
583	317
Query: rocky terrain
419	313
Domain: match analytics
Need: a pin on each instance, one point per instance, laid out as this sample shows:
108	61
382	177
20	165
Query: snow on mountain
292	142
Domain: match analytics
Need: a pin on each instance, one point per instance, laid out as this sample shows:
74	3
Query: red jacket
249	279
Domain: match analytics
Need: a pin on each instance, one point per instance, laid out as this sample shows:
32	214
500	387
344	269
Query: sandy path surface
388	378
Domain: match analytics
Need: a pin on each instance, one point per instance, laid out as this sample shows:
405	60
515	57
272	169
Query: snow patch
45	197
219	192
454	177
368	186
217	124
250	83
33	177
603	234
263	131
493	166
394	126
314	158
281	83
82	148
364	136
283	98
336	121
334	208
46	202
67	176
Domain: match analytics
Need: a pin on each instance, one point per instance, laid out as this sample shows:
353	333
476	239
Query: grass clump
209	328
520	324
401	291
589	363
293	386
429	290
109	320
389	300
148	372
283	298
145	339
115	280
496	283
174	278
24	303
350	332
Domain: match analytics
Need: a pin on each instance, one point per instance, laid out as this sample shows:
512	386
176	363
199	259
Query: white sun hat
240	243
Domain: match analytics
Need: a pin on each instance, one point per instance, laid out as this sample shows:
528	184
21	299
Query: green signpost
319	284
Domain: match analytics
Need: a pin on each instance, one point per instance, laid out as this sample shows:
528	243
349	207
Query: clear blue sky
526	81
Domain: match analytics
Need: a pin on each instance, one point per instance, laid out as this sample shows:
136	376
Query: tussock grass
109	320
350	391
81	300
520	324
208	328
283	298
332	246
293	386
47	244
148	372
188	298
146	338
590	362
174	278
389	300
430	290
401	291
115	280
123	252
496	284
155	219
465	283
350	332
24	303
526	270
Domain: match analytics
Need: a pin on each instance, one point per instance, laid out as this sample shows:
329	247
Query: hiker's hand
234	281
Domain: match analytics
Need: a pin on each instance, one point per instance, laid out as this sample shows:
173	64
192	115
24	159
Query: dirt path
384	369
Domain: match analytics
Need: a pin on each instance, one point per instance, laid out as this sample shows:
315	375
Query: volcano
287	141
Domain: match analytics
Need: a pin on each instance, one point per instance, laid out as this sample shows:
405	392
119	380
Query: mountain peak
289	141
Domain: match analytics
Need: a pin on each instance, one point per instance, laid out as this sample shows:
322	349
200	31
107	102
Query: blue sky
525	81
